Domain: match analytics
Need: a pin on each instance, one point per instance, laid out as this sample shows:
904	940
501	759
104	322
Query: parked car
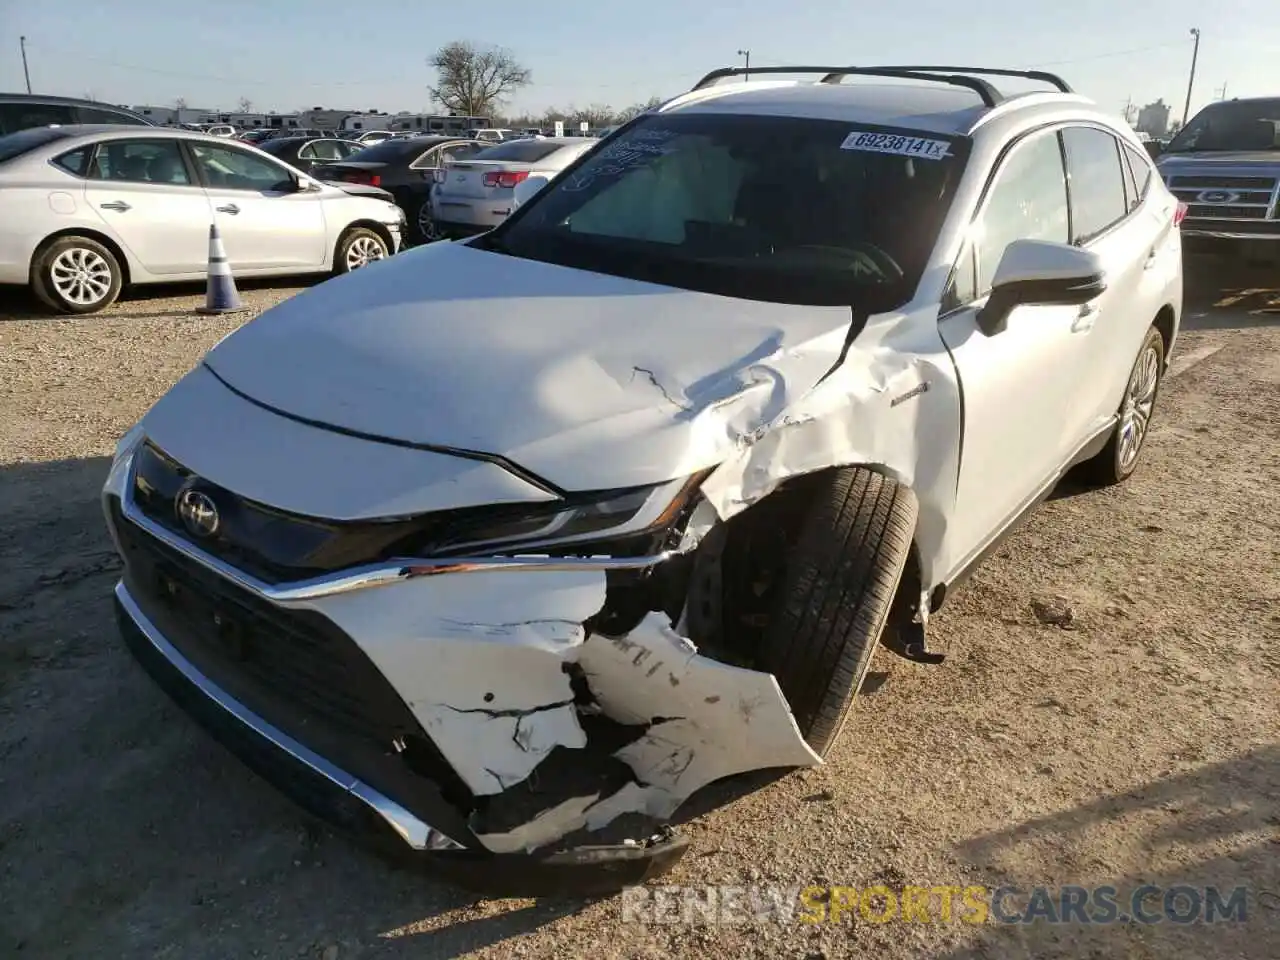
254	136
371	137
308	153
407	168
21	111
89	209
220	130
515	539
1225	166
474	195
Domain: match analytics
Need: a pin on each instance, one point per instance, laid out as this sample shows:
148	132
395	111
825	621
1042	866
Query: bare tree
638	108
245	105
180	103
472	81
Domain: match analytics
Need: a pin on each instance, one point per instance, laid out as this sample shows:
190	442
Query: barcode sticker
897	144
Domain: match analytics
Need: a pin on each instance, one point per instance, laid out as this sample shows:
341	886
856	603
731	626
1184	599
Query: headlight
599	522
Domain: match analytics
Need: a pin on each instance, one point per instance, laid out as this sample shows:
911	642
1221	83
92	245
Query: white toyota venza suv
505	547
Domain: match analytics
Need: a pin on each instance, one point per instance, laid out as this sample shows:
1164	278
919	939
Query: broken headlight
612	521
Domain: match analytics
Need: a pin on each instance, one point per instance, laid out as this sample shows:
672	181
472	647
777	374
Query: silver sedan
474	195
88	209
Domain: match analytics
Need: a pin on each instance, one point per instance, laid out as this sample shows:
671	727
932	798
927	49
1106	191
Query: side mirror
1154	148
1040	273
307	185
525	190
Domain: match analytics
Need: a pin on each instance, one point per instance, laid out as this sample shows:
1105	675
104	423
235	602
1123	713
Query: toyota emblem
197	512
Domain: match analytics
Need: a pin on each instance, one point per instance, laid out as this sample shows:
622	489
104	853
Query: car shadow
18	303
145	829
1217	823
1222	294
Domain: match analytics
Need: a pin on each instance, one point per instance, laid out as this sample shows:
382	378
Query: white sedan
88	210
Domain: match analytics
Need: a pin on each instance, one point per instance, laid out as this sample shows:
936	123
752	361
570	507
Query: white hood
588	381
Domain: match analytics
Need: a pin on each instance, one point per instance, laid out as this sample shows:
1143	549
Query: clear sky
288	54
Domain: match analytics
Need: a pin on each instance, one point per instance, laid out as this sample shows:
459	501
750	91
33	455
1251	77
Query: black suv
19	111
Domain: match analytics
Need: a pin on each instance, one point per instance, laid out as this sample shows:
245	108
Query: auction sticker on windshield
897	144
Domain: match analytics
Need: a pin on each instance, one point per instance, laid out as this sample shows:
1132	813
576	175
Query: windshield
783	209
520	151
1233	125
24	141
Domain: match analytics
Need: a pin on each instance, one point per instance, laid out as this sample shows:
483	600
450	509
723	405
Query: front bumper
358	809
432	707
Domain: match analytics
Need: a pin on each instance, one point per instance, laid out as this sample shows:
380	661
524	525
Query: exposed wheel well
1164	325
89	235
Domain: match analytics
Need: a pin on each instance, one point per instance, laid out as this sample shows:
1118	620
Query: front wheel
358	248
76	275
1116	461
837	590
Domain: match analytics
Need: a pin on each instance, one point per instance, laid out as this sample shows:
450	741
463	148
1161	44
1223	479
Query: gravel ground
1108	712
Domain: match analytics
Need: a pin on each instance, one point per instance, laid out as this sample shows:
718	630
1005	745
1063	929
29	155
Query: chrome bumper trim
418	835
371	575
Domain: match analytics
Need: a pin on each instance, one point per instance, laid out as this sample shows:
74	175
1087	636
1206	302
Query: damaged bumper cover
472	718
358	809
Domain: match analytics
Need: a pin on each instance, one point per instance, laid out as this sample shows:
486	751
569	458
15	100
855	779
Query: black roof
70	102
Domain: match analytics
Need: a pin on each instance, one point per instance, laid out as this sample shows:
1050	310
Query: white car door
1018	384
265	221
148	199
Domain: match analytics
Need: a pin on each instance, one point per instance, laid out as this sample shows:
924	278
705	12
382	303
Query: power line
1105	56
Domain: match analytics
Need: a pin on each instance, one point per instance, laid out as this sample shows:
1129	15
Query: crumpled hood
586	380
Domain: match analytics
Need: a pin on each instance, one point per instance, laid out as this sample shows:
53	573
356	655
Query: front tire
76	275
357	248
1116	462
841	578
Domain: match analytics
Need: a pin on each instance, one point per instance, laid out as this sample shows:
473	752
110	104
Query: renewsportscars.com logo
972	904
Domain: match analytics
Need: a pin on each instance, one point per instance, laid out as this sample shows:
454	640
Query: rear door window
1097	182
140	161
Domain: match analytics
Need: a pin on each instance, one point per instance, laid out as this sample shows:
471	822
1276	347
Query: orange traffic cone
221	295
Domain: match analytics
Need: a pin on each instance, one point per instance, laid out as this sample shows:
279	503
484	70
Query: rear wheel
76	275
836	593
428	230
358	248
1116	461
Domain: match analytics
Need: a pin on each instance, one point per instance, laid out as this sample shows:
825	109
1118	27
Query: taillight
504	180
1179	214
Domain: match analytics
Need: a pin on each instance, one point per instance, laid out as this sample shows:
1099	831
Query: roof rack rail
1044	77
989	94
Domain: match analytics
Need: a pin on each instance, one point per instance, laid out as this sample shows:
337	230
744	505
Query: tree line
475	81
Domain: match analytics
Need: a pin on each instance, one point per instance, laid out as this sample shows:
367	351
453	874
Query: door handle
1085	319
118	205
230	208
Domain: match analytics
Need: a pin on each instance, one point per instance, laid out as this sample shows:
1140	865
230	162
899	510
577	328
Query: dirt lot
1138	741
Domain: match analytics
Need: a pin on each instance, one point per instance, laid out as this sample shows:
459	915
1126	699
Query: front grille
1223	197
278	659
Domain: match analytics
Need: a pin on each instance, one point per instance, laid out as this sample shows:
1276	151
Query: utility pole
1128	109
747	54
1191	80
1222	92
22	43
